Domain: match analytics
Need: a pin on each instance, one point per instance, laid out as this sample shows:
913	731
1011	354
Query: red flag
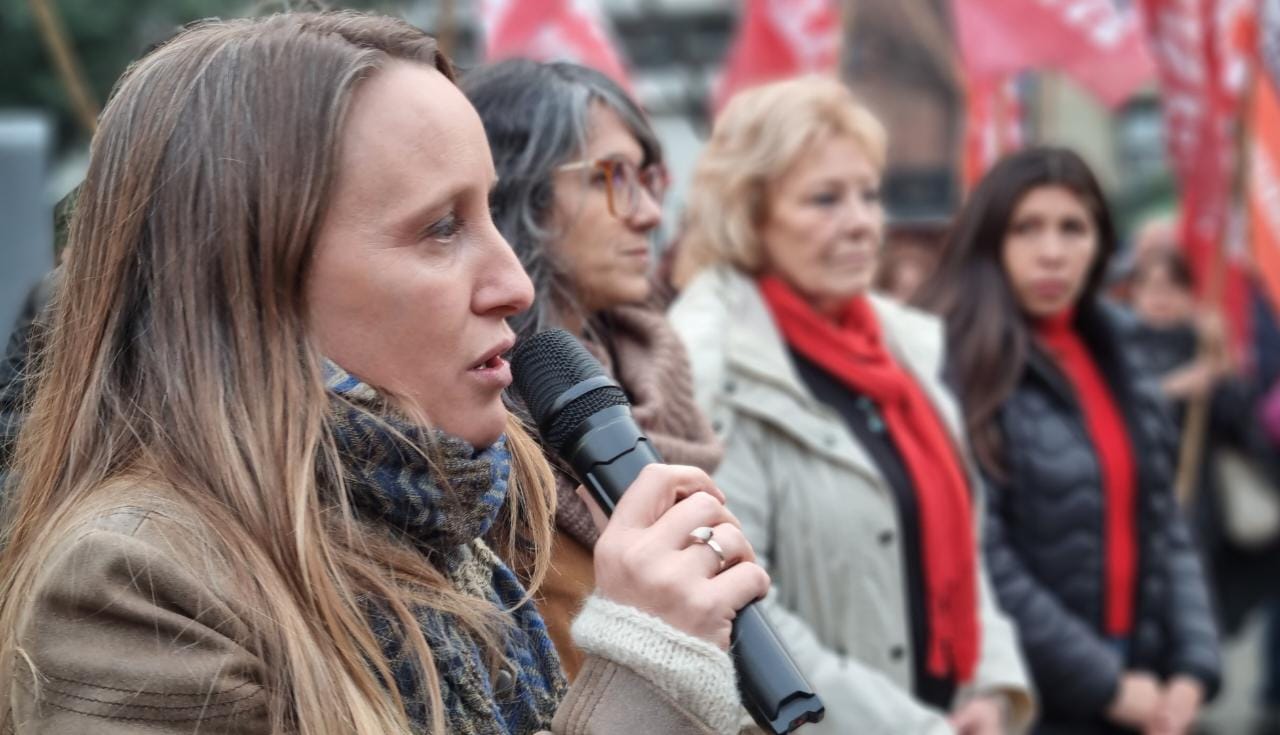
1089	40
780	39
550	30
1200	113
1235	23
993	125
1263	199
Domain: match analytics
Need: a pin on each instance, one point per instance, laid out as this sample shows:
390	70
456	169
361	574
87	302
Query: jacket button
886	538
897	653
730	386
503	682
717	426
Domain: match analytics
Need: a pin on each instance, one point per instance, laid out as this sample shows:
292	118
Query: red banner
779	39
1200	112
1089	40
1263	199
993	125
550	30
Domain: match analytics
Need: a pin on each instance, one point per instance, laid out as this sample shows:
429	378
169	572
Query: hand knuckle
760	578
704	503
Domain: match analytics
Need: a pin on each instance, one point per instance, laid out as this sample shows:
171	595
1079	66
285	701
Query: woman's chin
841	291
481	428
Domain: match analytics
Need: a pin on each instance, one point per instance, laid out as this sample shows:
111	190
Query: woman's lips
494	372
1050	289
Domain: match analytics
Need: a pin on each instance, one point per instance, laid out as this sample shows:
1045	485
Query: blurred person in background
904	268
254	480
1086	544
1266	353
24	343
1234	504
844	458
579	197
16	368
1186	351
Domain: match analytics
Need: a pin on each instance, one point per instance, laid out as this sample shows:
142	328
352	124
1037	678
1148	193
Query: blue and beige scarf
443	495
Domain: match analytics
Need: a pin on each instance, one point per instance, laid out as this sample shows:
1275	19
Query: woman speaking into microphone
268	437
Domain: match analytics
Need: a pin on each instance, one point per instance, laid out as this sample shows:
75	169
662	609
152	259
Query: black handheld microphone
584	418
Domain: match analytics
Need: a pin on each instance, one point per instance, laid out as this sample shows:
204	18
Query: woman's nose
504	288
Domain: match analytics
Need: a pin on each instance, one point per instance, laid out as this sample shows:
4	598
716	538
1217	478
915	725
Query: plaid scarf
443	495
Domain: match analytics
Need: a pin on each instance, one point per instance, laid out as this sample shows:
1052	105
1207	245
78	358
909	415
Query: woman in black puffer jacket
1086	546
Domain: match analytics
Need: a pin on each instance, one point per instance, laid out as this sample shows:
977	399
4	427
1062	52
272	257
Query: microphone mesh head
546	365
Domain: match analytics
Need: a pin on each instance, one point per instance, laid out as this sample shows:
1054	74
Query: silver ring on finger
705	535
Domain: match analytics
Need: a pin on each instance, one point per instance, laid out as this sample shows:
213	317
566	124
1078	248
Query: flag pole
1196	426
848	14
64	58
447	34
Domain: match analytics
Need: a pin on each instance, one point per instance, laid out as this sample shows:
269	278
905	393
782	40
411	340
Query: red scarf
853	352
1110	438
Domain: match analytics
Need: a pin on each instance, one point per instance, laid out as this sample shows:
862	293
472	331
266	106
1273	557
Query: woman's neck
831	309
573	322
1063	321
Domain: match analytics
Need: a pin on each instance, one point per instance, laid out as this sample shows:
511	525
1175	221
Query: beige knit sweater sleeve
642	675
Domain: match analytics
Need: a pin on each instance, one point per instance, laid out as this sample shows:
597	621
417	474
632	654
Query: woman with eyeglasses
579	197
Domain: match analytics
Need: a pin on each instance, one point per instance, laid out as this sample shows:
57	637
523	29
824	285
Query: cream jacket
822	519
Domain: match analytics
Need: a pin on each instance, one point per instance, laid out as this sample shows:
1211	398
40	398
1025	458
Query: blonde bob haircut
757	138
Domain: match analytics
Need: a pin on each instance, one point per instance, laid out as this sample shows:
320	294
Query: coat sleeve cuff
694	673
1209	678
1098	696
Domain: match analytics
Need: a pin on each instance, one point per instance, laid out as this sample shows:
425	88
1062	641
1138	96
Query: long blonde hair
178	350
759	135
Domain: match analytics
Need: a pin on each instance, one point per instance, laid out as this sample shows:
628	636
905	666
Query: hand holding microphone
646	557
584	418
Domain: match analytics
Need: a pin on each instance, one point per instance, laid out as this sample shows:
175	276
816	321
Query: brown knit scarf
642	352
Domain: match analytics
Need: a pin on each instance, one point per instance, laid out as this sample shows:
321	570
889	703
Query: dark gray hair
536	117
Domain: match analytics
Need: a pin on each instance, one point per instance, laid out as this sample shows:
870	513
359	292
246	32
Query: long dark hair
987	335
537	117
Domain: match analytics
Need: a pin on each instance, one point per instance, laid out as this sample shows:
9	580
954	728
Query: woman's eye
826	199
444	229
1074	227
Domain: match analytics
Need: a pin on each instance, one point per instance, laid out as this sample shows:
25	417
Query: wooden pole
447	33
848	16
1196	423
1196	426
64	59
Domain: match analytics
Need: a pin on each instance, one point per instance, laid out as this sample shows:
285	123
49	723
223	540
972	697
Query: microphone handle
607	457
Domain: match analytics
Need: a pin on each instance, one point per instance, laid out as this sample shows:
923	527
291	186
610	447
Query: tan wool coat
133	630
821	517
